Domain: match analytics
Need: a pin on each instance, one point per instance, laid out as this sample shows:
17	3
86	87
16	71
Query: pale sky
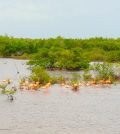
68	18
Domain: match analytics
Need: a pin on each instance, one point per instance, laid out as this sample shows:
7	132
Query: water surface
58	110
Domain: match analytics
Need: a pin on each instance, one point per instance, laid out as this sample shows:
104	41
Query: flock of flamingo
72	85
27	85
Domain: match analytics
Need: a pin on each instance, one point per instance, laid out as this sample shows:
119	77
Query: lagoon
57	110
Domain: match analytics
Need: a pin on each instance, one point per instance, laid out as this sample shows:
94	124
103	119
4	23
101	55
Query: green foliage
54	80
39	74
86	75
5	90
61	79
3	86
61	53
75	77
8	92
104	71
60	58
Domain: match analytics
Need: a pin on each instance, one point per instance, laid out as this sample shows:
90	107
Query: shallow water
58	110
13	69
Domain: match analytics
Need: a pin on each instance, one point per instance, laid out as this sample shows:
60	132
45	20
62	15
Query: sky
68	18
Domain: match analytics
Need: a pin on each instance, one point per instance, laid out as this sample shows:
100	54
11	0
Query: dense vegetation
61	53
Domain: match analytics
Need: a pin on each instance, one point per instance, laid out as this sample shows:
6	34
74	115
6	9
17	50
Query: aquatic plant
5	90
8	91
3	86
54	80
61	79
86	75
104	71
39	74
75	77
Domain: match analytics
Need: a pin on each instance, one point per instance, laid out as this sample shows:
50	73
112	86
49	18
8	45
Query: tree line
61	53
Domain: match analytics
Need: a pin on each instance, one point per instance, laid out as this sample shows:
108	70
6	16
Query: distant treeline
61	53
